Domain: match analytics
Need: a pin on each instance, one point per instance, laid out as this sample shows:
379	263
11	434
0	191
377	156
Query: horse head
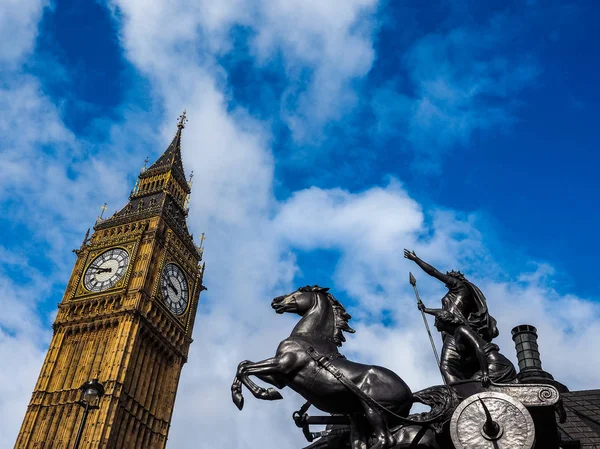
299	301
317	301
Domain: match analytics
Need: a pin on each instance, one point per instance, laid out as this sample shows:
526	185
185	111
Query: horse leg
269	369
268	378
383	436
378	422
262	370
358	439
236	393
272	380
236	386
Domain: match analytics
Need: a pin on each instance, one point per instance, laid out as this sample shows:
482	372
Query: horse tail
443	401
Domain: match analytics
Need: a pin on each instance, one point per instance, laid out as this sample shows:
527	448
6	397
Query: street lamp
91	392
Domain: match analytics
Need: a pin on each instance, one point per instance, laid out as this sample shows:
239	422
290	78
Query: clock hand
102	270
173	287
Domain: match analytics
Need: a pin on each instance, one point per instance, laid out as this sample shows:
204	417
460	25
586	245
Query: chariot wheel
492	420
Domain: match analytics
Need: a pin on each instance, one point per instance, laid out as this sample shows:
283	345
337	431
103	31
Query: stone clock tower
126	318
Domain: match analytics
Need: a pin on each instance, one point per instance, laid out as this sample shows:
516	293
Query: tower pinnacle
182	120
161	188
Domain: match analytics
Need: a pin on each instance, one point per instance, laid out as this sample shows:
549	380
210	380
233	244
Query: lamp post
91	392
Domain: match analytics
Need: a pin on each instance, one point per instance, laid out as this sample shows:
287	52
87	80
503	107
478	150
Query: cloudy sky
325	137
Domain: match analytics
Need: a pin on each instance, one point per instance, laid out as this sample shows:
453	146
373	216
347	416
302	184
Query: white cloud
324	46
334	40
370	220
18	26
22	358
51	175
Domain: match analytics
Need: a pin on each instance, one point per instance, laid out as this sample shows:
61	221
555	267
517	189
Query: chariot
500	416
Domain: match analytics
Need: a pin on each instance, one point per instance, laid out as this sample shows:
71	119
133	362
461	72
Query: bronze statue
467	304
493	366
374	398
369	405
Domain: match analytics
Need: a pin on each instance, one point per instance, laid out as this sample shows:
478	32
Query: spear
413	282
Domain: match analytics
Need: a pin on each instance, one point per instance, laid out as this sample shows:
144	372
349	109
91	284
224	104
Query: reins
325	362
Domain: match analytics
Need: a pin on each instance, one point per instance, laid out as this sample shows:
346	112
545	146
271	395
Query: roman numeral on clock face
106	270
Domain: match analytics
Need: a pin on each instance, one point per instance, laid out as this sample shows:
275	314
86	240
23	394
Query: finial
188	198
182	120
144	167
201	246
85	239
103	208
136	187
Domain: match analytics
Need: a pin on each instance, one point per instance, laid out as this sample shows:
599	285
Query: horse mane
341	317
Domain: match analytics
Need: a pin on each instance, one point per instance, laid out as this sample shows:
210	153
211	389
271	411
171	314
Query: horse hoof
273	394
238	400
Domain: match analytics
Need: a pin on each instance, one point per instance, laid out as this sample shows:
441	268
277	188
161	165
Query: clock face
174	289
106	270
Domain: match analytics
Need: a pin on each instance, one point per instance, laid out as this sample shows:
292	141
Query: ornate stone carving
530	395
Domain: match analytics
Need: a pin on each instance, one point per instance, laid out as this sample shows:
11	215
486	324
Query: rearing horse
323	321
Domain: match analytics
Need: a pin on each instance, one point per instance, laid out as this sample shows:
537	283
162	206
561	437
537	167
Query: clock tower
126	319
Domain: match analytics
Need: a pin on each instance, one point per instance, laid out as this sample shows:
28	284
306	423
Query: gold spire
182	120
171	158
166	174
188	197
201	246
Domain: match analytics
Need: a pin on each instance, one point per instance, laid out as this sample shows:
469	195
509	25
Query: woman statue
467	304
493	366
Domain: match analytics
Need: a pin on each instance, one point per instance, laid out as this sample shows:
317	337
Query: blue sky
324	138
526	161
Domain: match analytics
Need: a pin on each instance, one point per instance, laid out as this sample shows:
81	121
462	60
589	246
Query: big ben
126	319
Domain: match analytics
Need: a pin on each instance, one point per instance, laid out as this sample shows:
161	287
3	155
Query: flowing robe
468	304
